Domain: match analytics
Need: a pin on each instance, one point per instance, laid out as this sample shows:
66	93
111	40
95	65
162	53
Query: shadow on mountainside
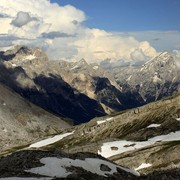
53	94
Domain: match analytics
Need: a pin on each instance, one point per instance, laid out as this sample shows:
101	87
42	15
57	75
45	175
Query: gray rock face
22	122
29	73
100	85
157	78
104	167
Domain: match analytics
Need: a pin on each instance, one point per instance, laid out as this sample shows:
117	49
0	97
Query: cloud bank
60	31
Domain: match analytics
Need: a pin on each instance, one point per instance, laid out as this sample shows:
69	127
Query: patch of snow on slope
30	57
55	167
75	67
129	78
104	121
156	79
96	67
14	65
143	166
178	119
50	140
154	125
124	146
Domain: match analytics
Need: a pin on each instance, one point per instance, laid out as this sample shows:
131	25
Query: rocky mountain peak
26	56
162	61
82	62
22	50
79	64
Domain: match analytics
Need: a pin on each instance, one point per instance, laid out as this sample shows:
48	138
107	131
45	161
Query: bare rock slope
21	121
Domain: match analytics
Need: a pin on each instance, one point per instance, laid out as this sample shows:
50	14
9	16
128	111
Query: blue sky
129	15
129	30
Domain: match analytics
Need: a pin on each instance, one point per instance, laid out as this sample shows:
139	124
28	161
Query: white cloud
60	32
22	19
138	55
99	45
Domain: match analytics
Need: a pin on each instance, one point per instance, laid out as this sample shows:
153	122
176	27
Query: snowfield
96	67
124	146
143	166
105	120
154	125
55	167
50	140
30	57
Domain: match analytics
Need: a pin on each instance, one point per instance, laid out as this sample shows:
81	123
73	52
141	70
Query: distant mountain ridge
82	91
154	80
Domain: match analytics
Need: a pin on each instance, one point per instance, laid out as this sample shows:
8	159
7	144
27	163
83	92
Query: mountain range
82	91
126	117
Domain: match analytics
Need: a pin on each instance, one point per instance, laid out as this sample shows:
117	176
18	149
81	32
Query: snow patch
156	79
104	121
129	78
75	67
14	65
154	125
50	140
178	119
96	67
124	146
30	57
143	166
55	167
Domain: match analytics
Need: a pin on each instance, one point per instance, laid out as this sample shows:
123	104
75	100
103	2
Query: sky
129	15
128	30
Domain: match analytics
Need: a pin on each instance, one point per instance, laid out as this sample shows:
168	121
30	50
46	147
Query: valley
131	122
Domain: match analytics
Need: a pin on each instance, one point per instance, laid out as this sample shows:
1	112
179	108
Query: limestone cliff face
22	122
157	78
29	72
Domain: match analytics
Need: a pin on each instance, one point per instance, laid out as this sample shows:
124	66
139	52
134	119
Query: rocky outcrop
33	164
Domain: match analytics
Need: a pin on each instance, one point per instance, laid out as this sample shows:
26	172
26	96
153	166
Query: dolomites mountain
82	91
157	78
29	73
136	139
